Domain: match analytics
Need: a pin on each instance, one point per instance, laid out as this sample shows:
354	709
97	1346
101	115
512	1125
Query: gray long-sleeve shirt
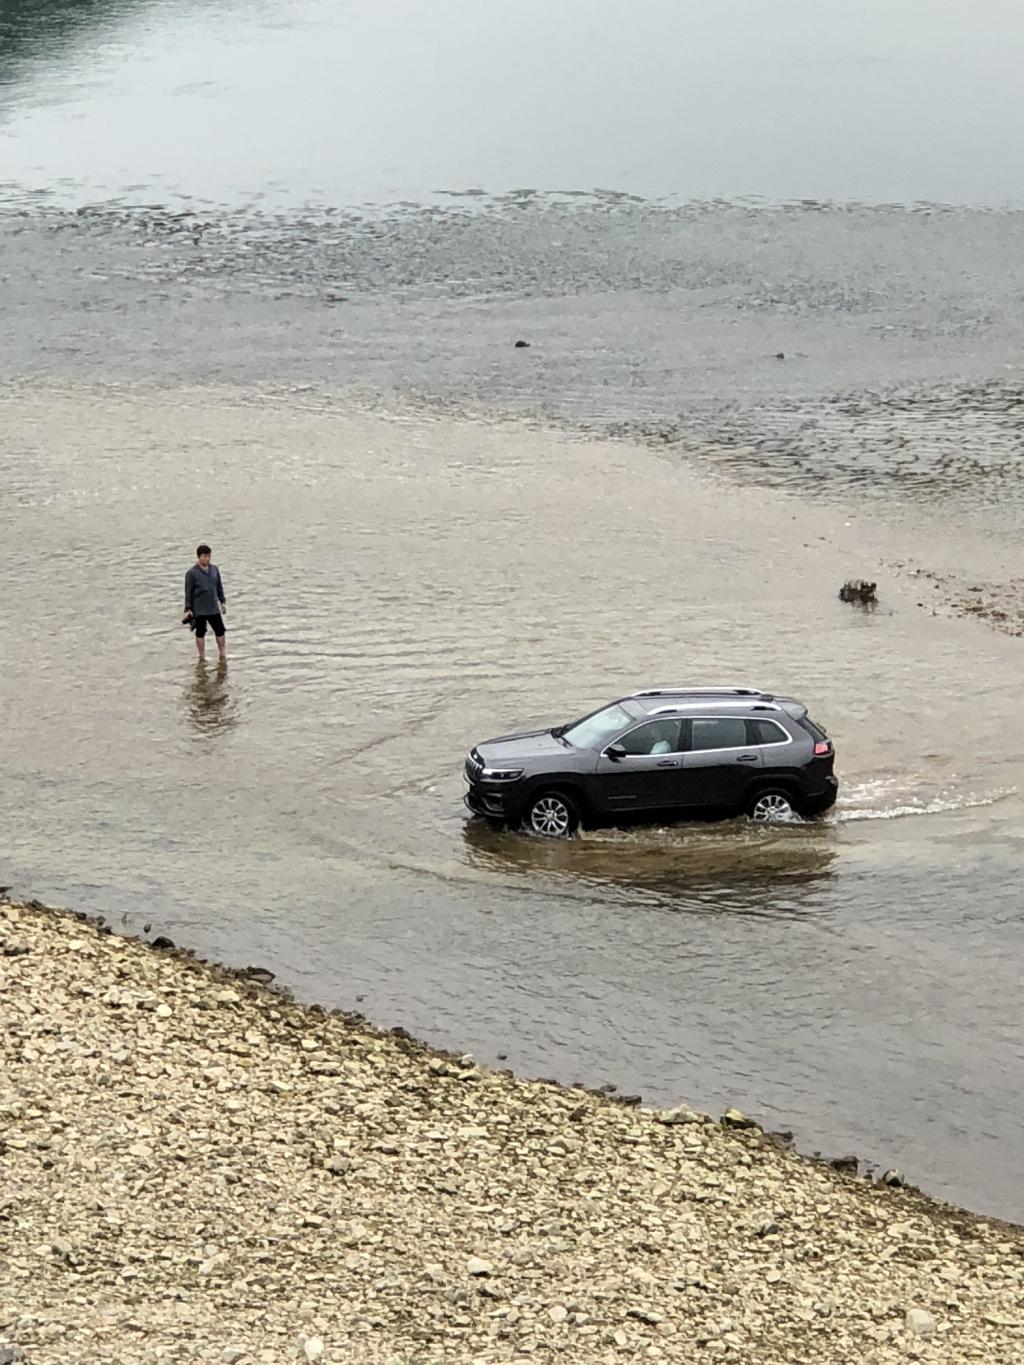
204	591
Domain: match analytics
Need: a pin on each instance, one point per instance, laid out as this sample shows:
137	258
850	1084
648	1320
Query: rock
15	948
735	1118
858	590
680	1114
10	1355
313	1348
848	1165
780	355
338	1165
522	345
920	1323
648	1315
163	1011
162	942
260	975
226	997
232	1354
477	1266
557	1313
896	1179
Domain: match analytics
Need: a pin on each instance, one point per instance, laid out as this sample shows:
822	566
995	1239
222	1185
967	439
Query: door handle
668	762
747	758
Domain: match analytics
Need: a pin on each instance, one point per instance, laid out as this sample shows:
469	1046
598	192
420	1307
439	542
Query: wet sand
197	1169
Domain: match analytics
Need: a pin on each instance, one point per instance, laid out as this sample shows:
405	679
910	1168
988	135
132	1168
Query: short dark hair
203	550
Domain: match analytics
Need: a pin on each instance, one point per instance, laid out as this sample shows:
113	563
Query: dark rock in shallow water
858	590
161	941
260	975
894	1179
849	1165
522	345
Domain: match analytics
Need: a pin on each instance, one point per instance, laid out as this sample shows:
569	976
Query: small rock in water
920	1322
780	355
522	345
849	1165
260	975
896	1179
162	941
858	590
735	1118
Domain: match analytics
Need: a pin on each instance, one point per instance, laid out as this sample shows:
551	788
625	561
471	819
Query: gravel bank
192	1168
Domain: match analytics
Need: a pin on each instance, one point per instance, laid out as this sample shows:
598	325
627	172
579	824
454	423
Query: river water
263	269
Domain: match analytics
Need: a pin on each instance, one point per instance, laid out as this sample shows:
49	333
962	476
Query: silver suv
664	750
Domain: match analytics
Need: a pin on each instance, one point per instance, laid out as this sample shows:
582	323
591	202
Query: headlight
501	774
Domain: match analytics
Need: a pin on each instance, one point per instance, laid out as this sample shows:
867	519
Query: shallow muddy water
400	587
219	321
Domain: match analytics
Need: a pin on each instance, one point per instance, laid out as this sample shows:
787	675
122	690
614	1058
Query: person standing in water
204	602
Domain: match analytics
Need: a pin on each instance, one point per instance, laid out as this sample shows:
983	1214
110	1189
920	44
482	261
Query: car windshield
594	732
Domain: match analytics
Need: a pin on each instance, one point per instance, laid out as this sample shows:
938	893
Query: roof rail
701	692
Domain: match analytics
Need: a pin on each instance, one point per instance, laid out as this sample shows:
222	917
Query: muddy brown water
399	587
429	536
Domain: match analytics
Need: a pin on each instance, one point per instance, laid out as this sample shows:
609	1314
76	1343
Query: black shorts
216	621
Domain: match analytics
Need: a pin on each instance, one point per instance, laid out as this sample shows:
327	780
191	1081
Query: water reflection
209	704
724	867
29	28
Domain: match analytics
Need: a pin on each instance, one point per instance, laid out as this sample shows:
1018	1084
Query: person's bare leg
201	648
222	650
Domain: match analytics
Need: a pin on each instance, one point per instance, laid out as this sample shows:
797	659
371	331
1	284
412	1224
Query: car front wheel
552	815
771	804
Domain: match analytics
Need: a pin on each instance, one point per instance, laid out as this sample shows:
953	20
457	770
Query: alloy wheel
550	817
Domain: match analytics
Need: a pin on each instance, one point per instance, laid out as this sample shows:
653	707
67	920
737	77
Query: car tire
771	803
552	815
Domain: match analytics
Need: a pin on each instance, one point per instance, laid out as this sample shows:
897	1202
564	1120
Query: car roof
653	701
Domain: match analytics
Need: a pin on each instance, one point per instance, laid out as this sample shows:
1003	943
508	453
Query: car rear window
766	732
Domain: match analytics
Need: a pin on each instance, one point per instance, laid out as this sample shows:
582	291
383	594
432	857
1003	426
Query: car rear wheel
771	803
553	815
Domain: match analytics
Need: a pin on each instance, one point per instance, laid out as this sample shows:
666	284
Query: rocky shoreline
195	1168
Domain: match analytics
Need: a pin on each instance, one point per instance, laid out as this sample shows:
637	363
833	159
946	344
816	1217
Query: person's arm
220	592
189	590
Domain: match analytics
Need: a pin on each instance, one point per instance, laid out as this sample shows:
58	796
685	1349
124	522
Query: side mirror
615	752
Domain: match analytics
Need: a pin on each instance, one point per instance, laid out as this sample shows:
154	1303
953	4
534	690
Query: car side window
653	737
718	732
766	732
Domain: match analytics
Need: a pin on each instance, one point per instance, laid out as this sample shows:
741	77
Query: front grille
473	768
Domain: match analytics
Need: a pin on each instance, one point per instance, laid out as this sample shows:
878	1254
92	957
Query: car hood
529	743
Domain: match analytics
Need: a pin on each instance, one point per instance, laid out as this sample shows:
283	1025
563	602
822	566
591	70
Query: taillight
823	747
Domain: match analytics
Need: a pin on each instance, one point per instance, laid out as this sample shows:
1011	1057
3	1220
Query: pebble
920	1323
197	1174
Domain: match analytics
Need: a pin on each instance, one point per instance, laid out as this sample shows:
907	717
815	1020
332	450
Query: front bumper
487	803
